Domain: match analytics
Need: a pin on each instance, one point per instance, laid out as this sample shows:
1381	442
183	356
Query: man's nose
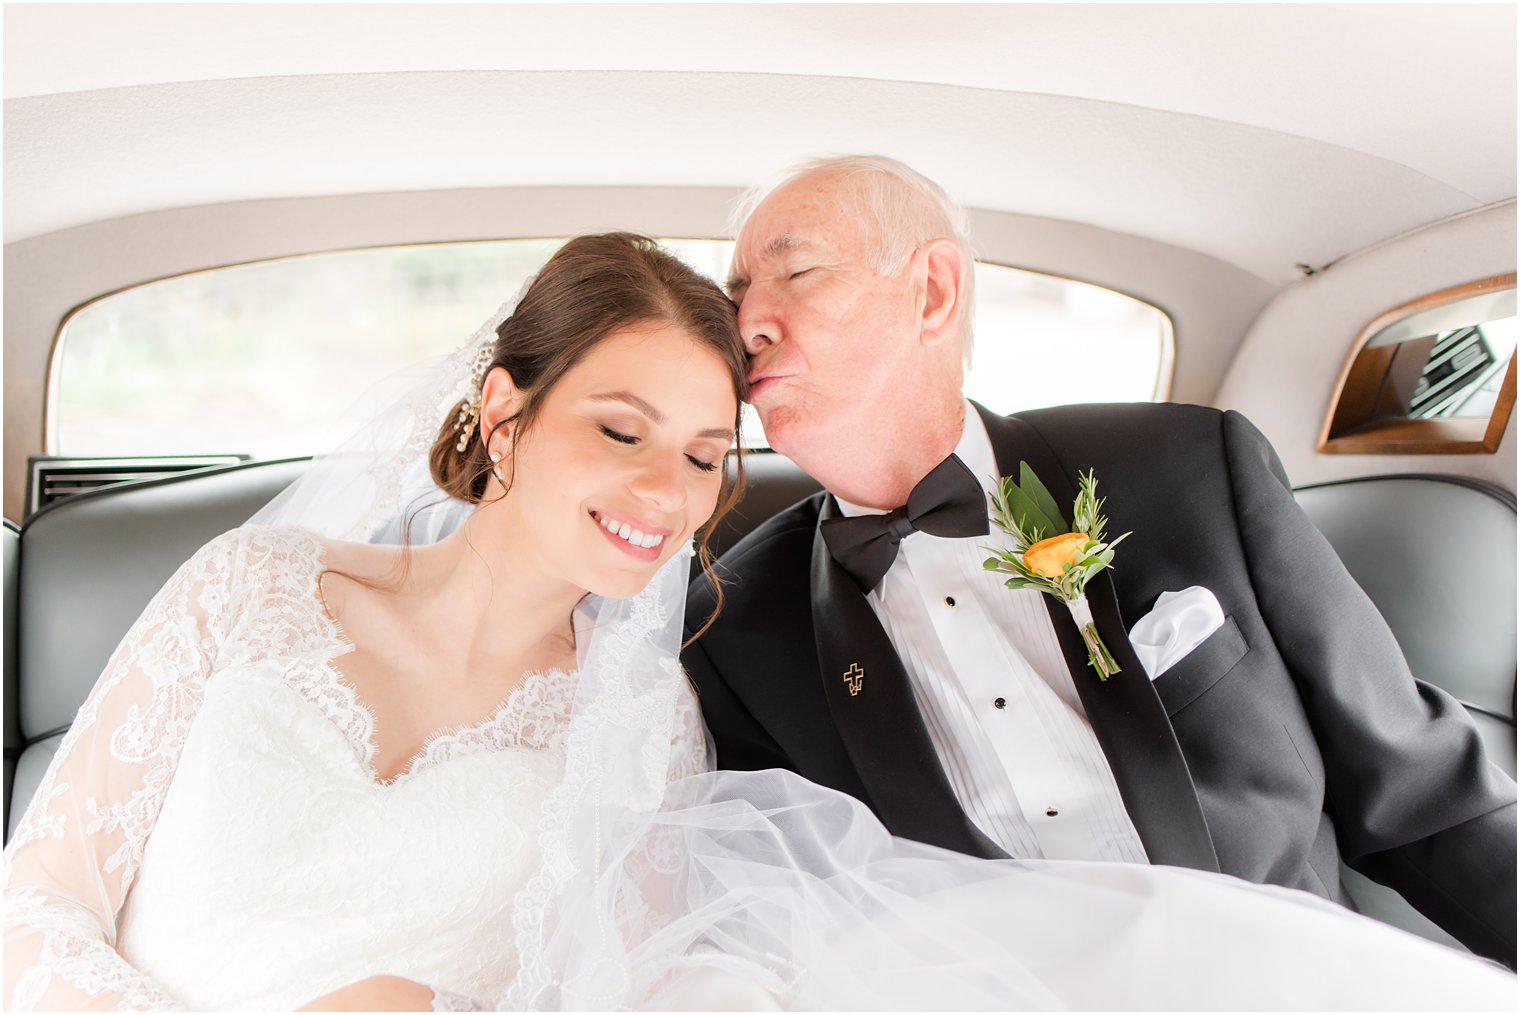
759	322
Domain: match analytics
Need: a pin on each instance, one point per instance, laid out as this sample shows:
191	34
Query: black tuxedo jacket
1293	736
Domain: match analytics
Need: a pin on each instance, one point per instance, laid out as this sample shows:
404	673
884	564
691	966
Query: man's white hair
901	209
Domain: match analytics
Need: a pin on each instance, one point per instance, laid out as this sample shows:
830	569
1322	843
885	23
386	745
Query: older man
863	645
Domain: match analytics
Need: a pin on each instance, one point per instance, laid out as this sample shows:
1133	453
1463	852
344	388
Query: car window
269	359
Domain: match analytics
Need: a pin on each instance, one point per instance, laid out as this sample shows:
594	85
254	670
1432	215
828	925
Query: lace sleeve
72	860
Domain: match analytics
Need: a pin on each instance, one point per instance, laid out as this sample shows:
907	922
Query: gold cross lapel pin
854	678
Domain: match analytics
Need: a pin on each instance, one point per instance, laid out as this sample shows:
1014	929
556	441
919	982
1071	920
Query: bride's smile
631	536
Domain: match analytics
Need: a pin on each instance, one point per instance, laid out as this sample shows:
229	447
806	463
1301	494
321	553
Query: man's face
829	339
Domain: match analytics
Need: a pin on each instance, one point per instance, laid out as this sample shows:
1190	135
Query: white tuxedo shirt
996	694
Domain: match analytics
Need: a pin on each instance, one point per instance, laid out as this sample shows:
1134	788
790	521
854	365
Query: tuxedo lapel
1126	715
877	716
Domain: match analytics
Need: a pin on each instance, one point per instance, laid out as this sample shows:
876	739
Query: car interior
1320	211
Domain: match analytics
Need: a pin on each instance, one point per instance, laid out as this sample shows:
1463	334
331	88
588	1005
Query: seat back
772	483
1436	554
88	567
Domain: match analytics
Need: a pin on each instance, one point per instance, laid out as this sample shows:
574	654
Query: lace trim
532	716
318	682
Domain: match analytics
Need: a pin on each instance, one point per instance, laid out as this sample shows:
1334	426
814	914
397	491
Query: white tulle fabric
666	886
212	834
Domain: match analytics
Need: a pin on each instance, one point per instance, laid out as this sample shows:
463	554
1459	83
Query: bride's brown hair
592	287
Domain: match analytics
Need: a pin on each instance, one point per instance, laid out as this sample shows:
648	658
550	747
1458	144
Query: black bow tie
947	502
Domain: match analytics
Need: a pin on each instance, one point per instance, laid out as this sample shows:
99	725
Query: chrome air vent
51	477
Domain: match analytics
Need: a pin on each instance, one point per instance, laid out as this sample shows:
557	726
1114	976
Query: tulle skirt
761	891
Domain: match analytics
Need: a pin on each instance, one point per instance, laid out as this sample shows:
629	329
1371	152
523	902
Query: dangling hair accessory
469	411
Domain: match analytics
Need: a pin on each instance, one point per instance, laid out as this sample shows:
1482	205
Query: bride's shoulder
249	541
369	561
255	549
257	565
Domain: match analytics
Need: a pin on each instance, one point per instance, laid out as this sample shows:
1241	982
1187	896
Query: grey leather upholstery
772	482
89	565
12	674
1437	556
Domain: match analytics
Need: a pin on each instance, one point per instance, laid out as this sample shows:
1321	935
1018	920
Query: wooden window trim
1361	422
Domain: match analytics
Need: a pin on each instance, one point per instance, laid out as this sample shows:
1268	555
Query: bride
386	749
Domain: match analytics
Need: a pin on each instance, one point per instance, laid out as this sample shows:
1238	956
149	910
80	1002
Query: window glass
269	359
1041	340
1462	376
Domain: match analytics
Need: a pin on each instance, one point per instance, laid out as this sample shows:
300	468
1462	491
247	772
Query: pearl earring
495	468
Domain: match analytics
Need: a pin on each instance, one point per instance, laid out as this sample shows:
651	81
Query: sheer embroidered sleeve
689	752
72	860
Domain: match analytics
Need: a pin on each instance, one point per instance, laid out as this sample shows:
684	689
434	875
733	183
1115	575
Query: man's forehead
783	243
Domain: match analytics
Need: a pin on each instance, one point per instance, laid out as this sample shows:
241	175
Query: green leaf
1031	487
1027	515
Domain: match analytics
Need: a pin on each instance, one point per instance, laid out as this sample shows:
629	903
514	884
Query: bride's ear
500	400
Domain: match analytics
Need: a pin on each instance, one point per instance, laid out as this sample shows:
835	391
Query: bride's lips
644	553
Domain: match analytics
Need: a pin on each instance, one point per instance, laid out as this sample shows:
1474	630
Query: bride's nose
659	482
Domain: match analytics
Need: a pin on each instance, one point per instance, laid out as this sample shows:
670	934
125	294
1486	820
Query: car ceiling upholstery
1264	135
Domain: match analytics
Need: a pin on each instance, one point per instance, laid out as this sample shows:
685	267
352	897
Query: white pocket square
1177	624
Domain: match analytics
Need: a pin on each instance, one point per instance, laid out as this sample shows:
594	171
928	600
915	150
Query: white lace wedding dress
228	842
212	835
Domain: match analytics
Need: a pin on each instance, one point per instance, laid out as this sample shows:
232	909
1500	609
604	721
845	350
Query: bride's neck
478	594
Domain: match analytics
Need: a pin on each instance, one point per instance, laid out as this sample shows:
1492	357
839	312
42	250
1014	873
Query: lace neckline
531	716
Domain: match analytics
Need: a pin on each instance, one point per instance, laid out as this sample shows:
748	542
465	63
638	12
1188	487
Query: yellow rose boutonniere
1052	556
1049	558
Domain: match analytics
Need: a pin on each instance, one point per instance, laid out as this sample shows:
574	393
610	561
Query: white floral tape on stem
1097	653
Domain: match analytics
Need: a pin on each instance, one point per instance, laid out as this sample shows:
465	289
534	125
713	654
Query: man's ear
500	399
942	266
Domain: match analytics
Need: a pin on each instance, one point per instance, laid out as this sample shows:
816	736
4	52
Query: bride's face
625	460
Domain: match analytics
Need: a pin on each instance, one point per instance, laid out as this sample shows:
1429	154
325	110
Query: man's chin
815	441
784	428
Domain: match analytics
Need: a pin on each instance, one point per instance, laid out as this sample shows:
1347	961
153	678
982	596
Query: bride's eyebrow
654	414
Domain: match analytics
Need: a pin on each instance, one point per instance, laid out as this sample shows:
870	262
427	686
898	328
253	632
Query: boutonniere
1052	556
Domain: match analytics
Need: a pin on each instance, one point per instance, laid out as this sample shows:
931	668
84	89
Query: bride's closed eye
623	438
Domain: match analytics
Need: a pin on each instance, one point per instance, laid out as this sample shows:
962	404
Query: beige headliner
1264	135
